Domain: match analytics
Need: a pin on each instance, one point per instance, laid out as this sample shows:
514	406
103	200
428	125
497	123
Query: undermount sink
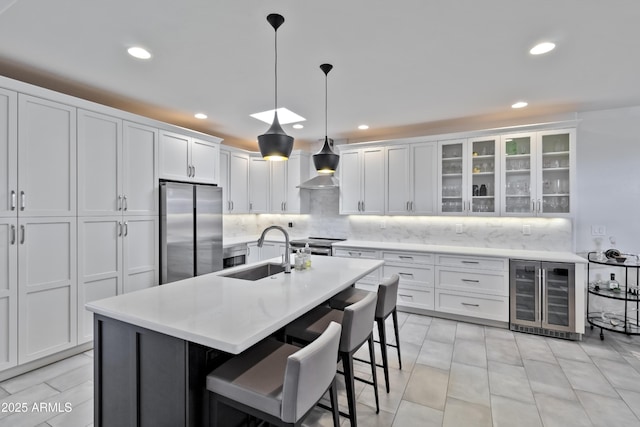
256	273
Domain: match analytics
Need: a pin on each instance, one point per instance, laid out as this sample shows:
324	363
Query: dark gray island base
146	378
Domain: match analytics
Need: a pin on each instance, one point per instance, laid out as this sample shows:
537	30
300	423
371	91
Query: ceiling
405	68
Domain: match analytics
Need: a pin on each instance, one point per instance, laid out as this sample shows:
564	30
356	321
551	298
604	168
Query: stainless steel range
317	245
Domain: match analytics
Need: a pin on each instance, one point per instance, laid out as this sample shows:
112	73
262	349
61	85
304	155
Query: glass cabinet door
519	173
452	165
558	296
524	291
483	172
556	167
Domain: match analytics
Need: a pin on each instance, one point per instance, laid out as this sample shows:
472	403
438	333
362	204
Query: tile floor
454	374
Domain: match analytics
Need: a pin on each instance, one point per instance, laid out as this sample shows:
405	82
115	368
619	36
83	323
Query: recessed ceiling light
363	127
298	126
139	52
541	48
200	116
285	116
520	104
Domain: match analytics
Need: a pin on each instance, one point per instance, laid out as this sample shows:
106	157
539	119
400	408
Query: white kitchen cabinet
416	273
259	185
370	280
234	180
46	158
539	173
285	177
362	181
8	153
472	286
469	172
411	179
126	260
47	293
8	293
183	158
117	166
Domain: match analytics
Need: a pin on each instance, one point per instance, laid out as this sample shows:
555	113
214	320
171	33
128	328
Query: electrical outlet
598	230
458	228
526	230
290	225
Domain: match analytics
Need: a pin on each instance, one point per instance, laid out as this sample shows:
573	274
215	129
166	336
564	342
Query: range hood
321	182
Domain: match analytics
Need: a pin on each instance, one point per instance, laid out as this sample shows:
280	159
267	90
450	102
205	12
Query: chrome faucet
287	248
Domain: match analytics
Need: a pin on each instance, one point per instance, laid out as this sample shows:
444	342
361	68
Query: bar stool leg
347	362
333	397
383	350
395	326
372	355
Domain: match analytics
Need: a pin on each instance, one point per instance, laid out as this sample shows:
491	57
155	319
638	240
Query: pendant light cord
276	70
326	103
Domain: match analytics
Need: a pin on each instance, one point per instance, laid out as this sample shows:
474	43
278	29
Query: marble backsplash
324	220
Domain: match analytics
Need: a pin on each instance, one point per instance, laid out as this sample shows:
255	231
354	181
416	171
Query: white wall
608	178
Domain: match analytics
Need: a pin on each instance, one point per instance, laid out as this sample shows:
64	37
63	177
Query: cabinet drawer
407	257
480	263
356	253
475	305
472	281
415	298
421	276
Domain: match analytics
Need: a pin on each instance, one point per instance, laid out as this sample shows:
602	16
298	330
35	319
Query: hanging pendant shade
325	160
275	144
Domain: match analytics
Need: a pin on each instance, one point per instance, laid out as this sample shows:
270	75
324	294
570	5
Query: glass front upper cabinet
469	172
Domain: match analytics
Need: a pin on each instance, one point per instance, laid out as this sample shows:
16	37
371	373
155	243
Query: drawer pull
471	280
410	297
405	257
406	275
470	262
355	253
469	304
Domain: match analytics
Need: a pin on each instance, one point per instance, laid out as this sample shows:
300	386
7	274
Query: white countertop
464	250
233	314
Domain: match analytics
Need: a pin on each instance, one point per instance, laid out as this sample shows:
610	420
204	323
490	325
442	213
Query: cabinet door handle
469	304
411	207
233	205
13	200
119	229
406	207
470	262
539	206
533	205
23	200
189	170
13	234
23	232
194	170
119	202
126	228
471	280
250	206
125	203
363	209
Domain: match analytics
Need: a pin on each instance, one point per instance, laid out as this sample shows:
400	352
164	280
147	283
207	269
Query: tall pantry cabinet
38	222
117	207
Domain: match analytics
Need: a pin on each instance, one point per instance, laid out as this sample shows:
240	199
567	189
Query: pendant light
275	144
325	160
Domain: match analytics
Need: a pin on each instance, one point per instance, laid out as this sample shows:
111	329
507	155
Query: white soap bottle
307	256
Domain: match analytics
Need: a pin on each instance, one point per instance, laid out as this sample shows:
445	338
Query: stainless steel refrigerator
190	230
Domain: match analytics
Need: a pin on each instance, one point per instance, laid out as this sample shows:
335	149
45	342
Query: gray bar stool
277	382
357	328
386	306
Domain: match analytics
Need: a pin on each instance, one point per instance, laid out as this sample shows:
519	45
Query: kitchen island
153	348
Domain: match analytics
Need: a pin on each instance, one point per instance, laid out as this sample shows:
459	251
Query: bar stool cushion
280	379
308	327
347	297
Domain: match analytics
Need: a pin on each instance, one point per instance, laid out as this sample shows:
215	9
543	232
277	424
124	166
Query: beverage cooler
542	298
